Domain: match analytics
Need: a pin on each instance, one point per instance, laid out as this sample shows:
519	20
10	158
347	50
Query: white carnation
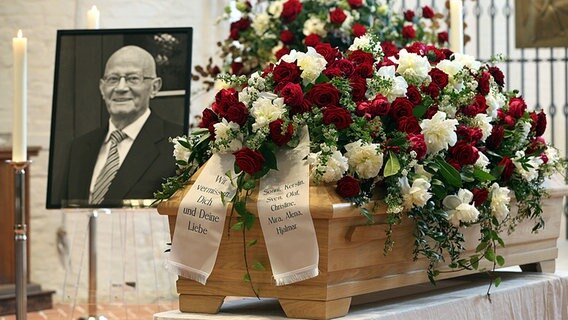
452	68
459	207
500	200
495	101
227	138
413	66
334	169
361	43
365	159
312	64
483	122
314	26
415	196
482	162
399	84
275	8
439	132
529	171
260	23
180	152
467	61
265	110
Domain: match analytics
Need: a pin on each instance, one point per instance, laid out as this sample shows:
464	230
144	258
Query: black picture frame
78	109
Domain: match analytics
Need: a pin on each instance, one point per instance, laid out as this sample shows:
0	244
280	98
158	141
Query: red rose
238	113
292	94
340	117
479	195
332	72
508	168
323	95
401	107
431	111
345	66
439	77
355	3
236	68
286	72
432	90
279	136
208	119
364	70
497	75
417	47
443	37
360	57
328	52
389	48
427	12
479	105
464	153
250	161
379	106
223	99
537	144
290	10
418	145
517	107
408	15
413	94
358	88
469	134
408	124
348	187
540	124
496	137
312	40
408	32
483	83
286	36
281	52
358	29
337	16
544	158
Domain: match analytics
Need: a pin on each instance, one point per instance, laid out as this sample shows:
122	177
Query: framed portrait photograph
119	96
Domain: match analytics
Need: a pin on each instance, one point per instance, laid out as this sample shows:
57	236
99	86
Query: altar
520	296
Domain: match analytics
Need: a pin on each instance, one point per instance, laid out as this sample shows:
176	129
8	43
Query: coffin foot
311	309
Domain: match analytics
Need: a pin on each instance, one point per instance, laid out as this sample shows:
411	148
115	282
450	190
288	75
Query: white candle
19	134
456	26
93	16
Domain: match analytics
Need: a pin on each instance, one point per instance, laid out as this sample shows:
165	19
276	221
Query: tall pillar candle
456	26
19	133
93	18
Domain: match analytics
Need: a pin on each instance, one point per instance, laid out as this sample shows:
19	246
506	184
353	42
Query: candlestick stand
20	237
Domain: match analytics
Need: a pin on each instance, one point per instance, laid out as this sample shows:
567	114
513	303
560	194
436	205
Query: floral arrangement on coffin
271	29
434	130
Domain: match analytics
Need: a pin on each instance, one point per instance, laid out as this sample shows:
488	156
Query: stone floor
117	311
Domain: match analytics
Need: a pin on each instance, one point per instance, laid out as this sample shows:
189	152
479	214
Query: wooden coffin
351	258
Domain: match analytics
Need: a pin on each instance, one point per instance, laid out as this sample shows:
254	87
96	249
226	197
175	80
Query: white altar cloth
537	296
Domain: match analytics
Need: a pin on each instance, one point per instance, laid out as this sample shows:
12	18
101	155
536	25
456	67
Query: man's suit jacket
148	162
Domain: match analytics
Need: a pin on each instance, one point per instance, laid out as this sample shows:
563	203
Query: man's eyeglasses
132	79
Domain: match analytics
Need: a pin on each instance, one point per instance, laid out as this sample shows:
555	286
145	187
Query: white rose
365	159
275	8
314	26
413	66
260	23
312	64
439	132
500	200
460	208
415	196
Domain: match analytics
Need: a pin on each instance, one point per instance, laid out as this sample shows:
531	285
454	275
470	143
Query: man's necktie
110	168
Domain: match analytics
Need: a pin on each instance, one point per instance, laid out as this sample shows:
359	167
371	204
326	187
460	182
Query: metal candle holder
20	237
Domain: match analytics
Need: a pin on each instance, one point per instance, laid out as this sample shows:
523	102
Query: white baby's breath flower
364	158
260	23
314	26
460	208
265	110
415	196
500	200
439	132
332	171
413	66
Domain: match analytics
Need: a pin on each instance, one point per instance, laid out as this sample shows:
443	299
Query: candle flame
94	8
20	35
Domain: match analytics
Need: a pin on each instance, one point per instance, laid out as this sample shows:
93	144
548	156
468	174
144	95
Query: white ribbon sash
201	220
284	213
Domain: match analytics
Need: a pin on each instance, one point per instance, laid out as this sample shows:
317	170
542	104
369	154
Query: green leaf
246	277
249	184
249	220
241	208
258	266
367	214
450	174
269	157
251	243
490	255
237	226
222	194
497	281
474	262
392	166
481	246
419	110
500	260
482	176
